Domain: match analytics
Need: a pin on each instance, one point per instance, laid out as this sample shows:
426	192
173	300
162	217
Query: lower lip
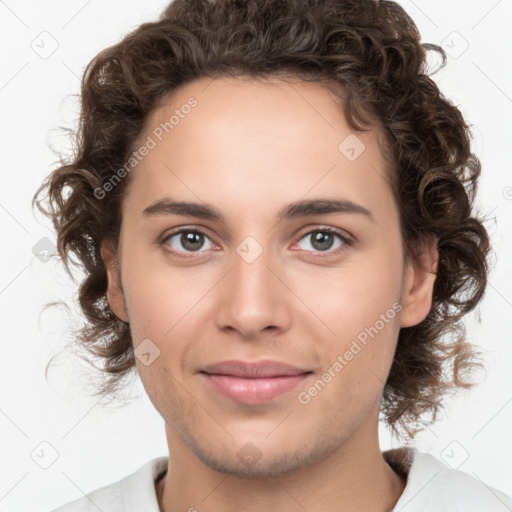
253	391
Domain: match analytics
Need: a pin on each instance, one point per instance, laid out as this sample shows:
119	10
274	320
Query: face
292	254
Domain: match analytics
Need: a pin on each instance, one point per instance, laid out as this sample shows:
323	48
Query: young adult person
272	202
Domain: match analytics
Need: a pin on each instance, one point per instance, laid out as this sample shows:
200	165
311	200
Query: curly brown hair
369	53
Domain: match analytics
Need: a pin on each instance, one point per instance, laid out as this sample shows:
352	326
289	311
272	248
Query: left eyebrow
321	207
302	208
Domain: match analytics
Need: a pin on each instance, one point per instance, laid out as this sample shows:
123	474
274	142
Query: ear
418	288
115	295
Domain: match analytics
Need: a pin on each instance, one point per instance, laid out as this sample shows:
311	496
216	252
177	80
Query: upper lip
257	369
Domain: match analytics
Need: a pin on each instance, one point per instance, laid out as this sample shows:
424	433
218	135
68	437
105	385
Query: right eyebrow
166	206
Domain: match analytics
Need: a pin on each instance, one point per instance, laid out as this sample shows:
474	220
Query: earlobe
115	295
419	279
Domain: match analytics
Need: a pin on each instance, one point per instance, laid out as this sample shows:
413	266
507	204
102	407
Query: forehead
248	139
254	107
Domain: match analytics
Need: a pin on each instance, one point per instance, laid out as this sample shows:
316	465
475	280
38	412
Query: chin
263	467
260	457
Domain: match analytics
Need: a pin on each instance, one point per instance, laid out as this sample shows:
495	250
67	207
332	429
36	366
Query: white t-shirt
431	486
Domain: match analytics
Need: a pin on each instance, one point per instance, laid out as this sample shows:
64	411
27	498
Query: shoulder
432	486
134	492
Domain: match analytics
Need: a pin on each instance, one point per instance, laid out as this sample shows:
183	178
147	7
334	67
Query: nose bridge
251	276
251	279
253	298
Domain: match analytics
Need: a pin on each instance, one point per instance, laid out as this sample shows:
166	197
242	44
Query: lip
253	382
253	369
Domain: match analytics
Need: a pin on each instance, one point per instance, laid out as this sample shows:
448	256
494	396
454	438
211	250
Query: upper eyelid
177	231
345	237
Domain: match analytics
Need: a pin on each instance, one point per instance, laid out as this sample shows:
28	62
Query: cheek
353	296
359	303
167	306
355	360
157	294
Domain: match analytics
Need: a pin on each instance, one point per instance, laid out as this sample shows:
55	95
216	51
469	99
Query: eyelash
323	254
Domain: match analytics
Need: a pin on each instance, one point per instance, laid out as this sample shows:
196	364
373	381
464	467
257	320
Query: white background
98	445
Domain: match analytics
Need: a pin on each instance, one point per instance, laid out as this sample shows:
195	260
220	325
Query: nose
253	299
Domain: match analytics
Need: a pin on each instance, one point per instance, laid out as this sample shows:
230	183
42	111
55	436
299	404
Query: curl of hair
368	53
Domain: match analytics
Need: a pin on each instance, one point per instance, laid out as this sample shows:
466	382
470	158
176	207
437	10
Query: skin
249	148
